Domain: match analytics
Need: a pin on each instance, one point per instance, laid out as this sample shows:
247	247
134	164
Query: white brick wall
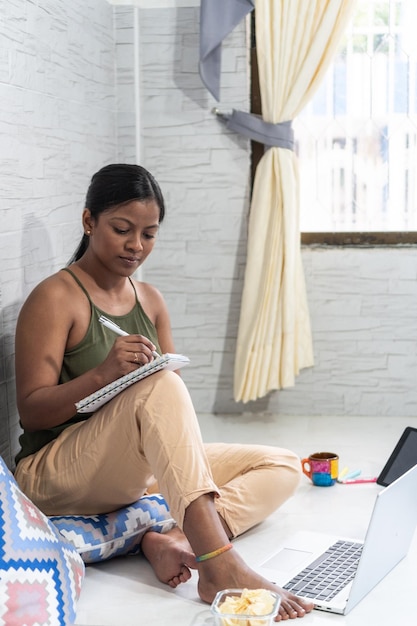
363	305
363	302
65	111
126	105
204	172
57	126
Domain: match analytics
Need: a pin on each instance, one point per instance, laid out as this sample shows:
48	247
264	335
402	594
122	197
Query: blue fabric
254	127
217	19
102	537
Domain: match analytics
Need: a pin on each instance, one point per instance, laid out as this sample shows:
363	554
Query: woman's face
122	237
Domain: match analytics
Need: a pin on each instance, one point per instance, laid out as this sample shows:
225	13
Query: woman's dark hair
115	184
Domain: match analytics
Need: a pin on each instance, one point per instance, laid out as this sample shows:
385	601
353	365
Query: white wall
58	125
363	302
363	305
67	107
204	172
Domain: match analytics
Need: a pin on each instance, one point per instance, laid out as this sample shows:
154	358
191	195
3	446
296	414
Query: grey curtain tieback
249	125
217	19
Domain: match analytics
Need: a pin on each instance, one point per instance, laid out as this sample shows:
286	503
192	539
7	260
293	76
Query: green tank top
90	352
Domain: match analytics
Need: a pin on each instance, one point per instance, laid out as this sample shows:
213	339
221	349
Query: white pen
116	329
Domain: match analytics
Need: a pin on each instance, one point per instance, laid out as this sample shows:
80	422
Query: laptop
365	563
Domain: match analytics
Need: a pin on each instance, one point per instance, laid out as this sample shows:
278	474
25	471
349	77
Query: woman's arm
53	313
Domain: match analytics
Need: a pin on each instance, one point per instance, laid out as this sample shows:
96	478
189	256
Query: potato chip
256	602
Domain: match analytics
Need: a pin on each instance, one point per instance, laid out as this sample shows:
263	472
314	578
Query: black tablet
403	458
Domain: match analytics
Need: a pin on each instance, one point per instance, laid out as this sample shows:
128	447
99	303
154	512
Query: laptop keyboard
329	574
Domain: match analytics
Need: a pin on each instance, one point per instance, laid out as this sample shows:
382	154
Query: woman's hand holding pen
127	354
143	351
141	354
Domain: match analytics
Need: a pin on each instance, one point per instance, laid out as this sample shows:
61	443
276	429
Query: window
357	139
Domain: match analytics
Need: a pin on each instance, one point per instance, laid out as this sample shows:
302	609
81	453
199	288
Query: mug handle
305	463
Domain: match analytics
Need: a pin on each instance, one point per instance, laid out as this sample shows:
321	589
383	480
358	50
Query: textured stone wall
58	125
363	302
70	103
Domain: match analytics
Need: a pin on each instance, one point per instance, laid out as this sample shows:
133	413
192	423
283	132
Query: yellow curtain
296	40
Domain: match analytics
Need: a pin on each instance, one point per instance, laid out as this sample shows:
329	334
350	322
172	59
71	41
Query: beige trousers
148	438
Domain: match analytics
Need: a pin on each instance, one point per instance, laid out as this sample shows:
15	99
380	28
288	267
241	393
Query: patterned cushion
40	573
101	537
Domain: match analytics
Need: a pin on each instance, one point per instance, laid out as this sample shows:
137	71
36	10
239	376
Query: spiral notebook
95	400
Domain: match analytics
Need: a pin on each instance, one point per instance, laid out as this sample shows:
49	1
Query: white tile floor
124	592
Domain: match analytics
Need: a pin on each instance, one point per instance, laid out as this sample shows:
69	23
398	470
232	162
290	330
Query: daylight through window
357	139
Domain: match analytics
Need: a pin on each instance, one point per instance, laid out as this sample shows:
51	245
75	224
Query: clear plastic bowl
241	619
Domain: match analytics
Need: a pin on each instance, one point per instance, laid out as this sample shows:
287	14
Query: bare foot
228	570
170	555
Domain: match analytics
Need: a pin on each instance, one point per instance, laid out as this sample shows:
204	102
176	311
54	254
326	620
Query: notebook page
95	400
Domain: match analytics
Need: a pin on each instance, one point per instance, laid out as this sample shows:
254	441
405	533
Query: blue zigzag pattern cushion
101	537
40	573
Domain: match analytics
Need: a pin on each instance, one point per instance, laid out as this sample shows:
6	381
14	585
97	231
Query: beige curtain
296	40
